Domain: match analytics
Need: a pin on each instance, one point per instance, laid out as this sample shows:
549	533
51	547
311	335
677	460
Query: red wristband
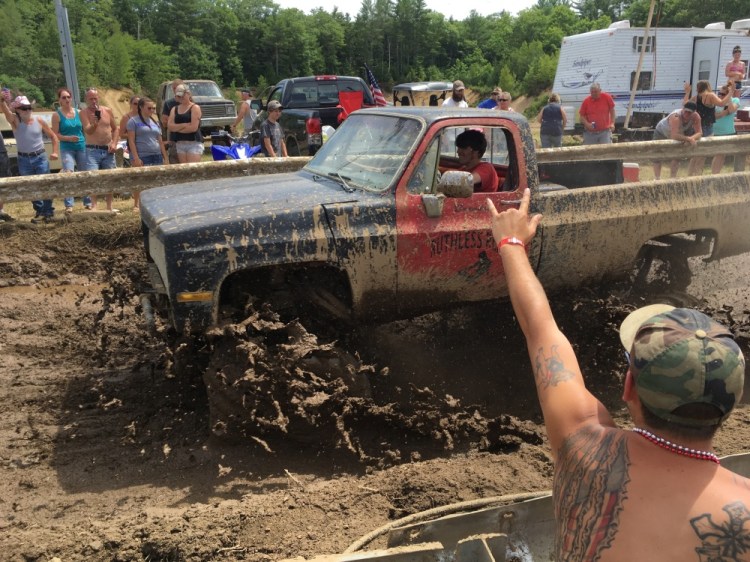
512	240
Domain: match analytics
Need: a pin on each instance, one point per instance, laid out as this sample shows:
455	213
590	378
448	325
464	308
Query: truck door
451	256
706	61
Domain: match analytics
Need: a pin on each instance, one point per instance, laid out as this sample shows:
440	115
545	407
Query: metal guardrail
125	180
648	151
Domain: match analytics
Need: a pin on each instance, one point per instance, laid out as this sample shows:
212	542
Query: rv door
706	61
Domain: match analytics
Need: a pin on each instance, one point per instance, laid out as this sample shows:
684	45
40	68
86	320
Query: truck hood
202	204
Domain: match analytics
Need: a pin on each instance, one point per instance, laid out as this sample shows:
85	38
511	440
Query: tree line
140	43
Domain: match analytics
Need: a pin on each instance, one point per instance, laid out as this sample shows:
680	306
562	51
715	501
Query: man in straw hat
656	492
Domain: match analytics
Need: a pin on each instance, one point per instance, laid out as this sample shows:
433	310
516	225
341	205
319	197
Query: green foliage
474	69
21	87
141	43
536	105
540	75
152	65
508	82
197	60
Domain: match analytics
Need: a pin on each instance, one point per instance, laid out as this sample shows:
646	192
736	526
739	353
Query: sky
458	9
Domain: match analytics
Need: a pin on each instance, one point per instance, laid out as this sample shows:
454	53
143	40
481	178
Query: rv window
638	44
704	70
644	80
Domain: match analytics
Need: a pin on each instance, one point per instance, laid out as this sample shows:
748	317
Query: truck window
275	95
208	89
499	152
316	94
367	151
423	178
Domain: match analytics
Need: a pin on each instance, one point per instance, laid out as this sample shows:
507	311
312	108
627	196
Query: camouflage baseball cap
681	356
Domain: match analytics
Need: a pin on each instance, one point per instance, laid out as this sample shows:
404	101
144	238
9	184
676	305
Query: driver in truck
471	146
618	493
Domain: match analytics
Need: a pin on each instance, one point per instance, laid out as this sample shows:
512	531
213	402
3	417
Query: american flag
377	93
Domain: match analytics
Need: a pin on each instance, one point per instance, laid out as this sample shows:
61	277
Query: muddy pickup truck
380	225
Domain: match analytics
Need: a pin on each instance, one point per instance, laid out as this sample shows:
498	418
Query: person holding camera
102	133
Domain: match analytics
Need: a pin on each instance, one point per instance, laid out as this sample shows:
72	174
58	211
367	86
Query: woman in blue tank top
553	119
67	125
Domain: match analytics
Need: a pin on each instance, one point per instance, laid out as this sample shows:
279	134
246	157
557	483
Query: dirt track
106	454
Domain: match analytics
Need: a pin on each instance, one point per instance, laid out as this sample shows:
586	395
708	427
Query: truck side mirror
454	183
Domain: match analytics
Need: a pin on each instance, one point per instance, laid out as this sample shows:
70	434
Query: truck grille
215	111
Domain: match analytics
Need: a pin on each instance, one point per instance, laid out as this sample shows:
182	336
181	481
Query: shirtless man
470	146
656	492
102	133
735	69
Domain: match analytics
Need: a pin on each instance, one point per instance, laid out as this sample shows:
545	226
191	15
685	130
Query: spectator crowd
87	139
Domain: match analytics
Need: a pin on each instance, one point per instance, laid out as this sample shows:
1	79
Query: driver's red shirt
488	174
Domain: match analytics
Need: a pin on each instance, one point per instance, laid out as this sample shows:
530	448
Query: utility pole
637	77
66	45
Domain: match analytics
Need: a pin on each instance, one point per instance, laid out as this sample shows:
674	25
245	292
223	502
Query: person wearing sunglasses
503	102
682	125
66	122
32	157
132	112
185	125
492	101
724	125
145	139
736	69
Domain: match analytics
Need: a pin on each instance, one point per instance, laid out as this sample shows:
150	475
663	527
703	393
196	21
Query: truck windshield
208	89
367	150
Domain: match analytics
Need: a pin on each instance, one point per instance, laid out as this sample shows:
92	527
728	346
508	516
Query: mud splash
270	380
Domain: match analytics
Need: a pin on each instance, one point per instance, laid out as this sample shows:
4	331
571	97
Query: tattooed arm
565	401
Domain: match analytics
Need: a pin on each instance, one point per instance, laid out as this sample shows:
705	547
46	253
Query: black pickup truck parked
309	103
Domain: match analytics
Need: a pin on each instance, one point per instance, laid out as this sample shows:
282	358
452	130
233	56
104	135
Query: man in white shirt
457	99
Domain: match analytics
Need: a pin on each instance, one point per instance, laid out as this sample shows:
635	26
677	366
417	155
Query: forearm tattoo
724	540
590	488
549	369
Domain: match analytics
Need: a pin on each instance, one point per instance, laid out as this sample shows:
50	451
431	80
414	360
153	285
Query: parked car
422	93
310	103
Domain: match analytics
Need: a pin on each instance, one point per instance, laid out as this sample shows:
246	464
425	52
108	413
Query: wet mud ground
108	450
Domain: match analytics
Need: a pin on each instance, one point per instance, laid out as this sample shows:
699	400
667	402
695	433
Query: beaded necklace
674	448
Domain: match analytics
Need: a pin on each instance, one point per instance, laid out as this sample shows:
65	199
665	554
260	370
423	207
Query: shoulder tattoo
727	539
549	368
590	488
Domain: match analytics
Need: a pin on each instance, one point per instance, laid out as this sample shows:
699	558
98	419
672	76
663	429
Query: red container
743	114
631	171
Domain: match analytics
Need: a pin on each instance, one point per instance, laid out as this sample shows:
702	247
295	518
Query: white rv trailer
673	56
